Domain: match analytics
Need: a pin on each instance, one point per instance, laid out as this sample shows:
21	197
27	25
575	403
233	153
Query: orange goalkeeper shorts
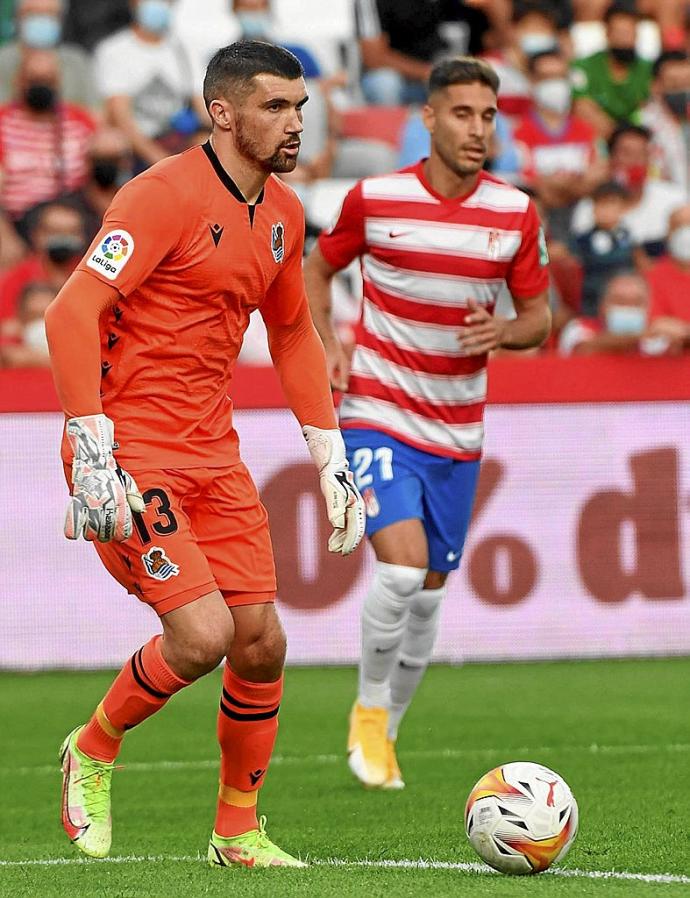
203	529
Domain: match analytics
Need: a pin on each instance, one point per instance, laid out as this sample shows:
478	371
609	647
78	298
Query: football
521	817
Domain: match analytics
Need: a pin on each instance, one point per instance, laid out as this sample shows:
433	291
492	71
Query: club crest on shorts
158	565
371	503
278	241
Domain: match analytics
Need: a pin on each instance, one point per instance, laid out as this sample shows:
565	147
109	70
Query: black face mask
624	55
61	249
677	101
105	172
40	97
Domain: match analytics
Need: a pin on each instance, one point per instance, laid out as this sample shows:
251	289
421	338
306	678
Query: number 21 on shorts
363	459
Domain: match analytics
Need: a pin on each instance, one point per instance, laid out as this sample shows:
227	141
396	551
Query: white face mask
679	244
35	336
627	320
553	94
533	42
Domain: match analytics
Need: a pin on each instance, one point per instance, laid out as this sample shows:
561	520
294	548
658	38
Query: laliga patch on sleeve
112	254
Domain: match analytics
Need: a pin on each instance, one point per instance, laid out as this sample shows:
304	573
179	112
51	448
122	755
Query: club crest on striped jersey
158	565
494	245
278	241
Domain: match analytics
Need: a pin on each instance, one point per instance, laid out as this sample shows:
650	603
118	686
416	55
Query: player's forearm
300	361
318	286
74	341
530	328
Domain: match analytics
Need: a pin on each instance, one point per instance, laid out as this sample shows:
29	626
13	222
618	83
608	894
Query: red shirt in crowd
573	149
670	288
40	159
13	281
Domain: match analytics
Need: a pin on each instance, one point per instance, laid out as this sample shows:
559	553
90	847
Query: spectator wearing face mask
58	242
39	27
622	326
666	116
23	342
110	165
611	86
150	83
560	153
43	140
534	31
650	202
669	282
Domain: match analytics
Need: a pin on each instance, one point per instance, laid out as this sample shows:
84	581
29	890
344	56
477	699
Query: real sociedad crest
278	241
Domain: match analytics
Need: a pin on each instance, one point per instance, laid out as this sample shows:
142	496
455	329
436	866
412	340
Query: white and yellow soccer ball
521	818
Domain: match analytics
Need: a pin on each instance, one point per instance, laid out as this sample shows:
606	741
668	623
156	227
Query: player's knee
199	652
260	656
399	579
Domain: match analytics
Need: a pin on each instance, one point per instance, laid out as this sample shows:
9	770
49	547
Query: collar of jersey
418	169
228	183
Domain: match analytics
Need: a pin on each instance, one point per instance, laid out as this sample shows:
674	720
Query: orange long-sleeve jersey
149	327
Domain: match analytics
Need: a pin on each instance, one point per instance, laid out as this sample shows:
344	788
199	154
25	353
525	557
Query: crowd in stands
594	122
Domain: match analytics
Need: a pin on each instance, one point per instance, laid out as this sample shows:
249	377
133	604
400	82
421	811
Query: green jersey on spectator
621	100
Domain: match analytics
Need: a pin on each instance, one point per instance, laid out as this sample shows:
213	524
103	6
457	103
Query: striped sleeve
528	273
346	239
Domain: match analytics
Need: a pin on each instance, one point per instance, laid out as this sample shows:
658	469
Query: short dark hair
610	188
232	68
621	8
462	70
533	61
668	56
534	8
627	128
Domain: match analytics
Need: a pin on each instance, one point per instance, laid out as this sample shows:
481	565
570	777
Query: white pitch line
404	864
431	754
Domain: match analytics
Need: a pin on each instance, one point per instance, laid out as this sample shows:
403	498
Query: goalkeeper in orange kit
143	339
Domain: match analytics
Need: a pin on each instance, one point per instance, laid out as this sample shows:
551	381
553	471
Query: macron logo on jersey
112	254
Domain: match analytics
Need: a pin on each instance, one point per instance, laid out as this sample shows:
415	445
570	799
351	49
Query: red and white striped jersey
41	159
423	256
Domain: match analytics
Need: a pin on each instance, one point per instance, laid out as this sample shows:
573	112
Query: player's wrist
326	448
92	438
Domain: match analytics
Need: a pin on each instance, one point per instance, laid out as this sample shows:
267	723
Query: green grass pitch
618	731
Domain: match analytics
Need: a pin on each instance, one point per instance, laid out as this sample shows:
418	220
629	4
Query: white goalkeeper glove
103	495
344	504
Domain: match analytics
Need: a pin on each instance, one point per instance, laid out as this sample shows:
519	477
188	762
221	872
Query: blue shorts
399	482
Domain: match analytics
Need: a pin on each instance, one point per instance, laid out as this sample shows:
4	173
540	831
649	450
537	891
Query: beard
462	169
277	162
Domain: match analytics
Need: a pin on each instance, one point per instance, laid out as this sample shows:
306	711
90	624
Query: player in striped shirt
437	242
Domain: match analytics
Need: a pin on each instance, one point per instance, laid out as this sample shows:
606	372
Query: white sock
384	621
415	653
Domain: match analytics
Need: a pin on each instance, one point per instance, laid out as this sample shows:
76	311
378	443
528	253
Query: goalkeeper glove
344	504
103	495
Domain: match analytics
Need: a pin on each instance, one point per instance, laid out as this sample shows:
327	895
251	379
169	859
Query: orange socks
247	727
142	687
